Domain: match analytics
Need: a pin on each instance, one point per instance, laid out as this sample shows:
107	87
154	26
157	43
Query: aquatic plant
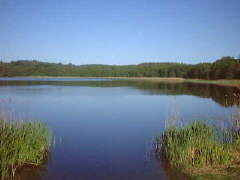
198	146
22	143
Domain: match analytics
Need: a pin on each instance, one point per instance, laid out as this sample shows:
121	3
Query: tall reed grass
198	146
22	143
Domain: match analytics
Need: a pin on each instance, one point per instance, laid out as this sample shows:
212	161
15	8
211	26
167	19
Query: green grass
22	143
199	148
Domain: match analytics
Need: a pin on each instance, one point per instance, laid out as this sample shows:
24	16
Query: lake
104	129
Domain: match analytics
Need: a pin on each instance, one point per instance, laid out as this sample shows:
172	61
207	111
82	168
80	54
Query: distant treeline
224	68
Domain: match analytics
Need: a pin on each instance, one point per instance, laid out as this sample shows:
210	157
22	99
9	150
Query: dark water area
103	129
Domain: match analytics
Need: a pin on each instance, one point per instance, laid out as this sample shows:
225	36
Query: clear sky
119	31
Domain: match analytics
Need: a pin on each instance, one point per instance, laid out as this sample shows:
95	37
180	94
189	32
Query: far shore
222	82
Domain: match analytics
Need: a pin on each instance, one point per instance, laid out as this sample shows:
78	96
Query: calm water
103	129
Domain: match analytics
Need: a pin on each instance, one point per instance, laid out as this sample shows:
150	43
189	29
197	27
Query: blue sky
119	31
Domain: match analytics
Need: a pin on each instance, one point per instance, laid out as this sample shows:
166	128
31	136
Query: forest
224	68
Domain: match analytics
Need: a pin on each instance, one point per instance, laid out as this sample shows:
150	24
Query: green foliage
198	145
225	68
22	143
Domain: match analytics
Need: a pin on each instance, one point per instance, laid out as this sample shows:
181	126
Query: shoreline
221	82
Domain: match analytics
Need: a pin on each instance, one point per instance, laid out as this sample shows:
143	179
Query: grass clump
22	143
199	148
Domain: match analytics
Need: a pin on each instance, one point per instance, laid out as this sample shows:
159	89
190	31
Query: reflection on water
103	129
220	94
32	172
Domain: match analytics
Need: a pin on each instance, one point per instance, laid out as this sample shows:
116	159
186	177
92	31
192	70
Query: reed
198	146
222	82
22	143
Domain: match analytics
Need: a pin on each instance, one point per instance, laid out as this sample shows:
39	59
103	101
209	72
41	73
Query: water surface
103	128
